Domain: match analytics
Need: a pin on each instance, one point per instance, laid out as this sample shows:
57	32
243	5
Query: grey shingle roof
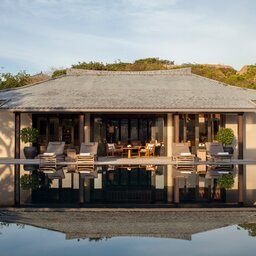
169	90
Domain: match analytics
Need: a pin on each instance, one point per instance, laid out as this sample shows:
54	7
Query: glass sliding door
124	131
134	130
198	128
127	129
143	133
54	127
54	131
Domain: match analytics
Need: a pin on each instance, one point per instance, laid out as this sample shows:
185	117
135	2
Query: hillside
246	77
223	73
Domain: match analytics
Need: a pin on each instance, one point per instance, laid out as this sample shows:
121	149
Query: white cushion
84	154
222	153
111	146
185	154
48	154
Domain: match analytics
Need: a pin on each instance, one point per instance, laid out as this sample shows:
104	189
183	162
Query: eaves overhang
129	110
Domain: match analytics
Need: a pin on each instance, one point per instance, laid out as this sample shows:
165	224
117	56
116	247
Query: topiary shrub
226	181
226	136
29	181
29	135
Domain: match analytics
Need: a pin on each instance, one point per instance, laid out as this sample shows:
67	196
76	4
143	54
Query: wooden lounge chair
112	149
85	163
56	147
90	147
183	157
58	175
54	153
215	153
148	150
47	163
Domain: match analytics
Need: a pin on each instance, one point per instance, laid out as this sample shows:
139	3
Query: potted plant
29	135
226	136
29	181
226	181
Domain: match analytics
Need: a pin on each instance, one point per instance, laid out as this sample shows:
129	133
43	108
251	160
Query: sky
41	35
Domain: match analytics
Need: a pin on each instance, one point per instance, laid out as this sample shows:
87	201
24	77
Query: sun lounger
183	157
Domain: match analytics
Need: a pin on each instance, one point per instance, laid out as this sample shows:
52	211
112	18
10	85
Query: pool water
16	239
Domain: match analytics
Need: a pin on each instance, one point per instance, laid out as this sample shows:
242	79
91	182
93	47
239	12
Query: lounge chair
47	163
56	147
215	153
85	163
59	174
91	148
113	149
148	150
183	157
53	154
151	167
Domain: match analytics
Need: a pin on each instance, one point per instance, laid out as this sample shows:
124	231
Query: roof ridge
80	72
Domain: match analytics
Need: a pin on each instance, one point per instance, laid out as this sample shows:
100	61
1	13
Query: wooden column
17	156
176	190
81	189
169	183
197	132
60	191
185	127
153	187
209	190
209	128
240	156
197	187
87	190
176	128
81	129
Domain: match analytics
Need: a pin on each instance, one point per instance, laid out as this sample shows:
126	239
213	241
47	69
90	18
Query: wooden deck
131	161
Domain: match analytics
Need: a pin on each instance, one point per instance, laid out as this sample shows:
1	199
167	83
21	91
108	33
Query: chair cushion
223	153
185	154
111	146
84	154
48	154
56	147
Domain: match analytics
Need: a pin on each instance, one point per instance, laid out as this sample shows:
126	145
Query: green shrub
29	135
11	81
29	181
226	181
59	72
226	136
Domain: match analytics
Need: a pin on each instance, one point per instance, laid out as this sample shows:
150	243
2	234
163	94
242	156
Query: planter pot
30	167
30	152
157	150
230	150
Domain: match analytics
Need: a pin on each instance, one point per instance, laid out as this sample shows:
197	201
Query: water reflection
28	240
122	184
133	184
250	227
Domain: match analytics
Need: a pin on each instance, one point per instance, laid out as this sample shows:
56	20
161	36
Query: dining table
130	149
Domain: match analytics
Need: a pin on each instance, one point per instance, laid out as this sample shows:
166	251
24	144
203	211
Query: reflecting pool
19	239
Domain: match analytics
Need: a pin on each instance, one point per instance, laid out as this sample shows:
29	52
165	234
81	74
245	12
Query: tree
11	81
